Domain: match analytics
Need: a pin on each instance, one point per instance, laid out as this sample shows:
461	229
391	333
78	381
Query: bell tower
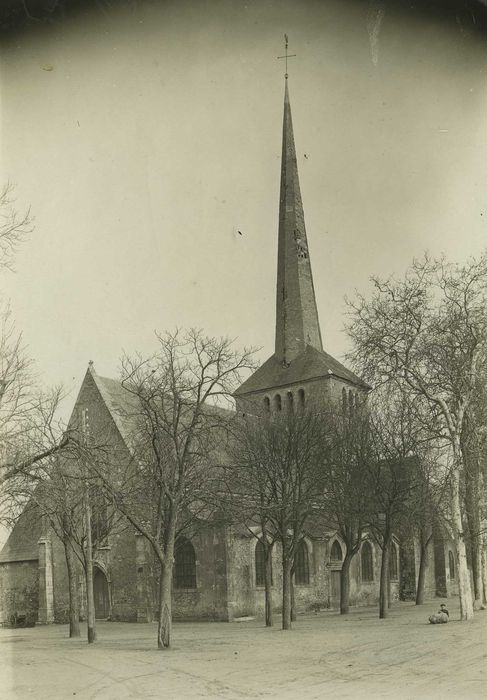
299	373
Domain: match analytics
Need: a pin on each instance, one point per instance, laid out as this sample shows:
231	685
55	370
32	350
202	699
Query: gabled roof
121	404
310	364
124	406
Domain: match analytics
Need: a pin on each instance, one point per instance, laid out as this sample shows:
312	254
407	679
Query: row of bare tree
35	444
416	451
425	337
190	461
366	474
369	472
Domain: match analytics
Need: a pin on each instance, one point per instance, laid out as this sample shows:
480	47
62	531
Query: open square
325	655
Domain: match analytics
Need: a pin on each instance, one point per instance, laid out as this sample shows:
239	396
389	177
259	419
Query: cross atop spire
286	55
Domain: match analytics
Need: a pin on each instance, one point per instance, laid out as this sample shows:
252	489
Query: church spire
297	323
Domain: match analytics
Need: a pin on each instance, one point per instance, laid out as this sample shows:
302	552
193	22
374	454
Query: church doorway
101	595
335	589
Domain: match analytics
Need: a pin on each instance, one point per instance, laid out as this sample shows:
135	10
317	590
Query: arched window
260	564
100	520
267	404
393	569
367	562
301	399
184	565
344	401
101	594
350	402
277	402
336	551
451	563
301	564
290	402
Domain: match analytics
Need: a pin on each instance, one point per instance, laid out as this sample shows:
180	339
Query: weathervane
287	55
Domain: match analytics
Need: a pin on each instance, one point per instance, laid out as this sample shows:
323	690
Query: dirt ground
325	655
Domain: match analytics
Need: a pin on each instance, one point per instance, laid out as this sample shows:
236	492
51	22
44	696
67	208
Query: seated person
441	616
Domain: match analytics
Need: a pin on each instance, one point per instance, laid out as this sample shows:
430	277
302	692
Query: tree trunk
90	600
472	491
484	575
423	559
389	593
477	572
464	589
286	591
74	630
293	595
268	586
345	585
164	626
384	566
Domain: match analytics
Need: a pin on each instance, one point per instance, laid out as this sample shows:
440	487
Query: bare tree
60	501
427	333
31	437
280	468
178	400
345	501
244	491
474	450
68	504
14	227
56	502
428	507
392	474
29	431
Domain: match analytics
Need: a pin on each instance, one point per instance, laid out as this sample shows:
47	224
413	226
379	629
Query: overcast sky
144	139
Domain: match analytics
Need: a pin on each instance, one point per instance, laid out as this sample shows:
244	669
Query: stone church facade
219	569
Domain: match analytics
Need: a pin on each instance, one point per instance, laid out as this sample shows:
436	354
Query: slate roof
21	544
297	322
11	554
124	406
310	364
120	402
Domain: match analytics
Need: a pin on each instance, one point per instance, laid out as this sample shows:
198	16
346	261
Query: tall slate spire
297	323
299	356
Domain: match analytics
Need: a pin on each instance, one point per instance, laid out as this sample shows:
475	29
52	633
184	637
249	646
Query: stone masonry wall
246	598
19	592
320	392
122	576
19	581
209	599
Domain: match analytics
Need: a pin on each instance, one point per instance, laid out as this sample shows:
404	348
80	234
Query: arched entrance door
336	558
101	595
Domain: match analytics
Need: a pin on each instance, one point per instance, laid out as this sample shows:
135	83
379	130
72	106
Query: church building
219	571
